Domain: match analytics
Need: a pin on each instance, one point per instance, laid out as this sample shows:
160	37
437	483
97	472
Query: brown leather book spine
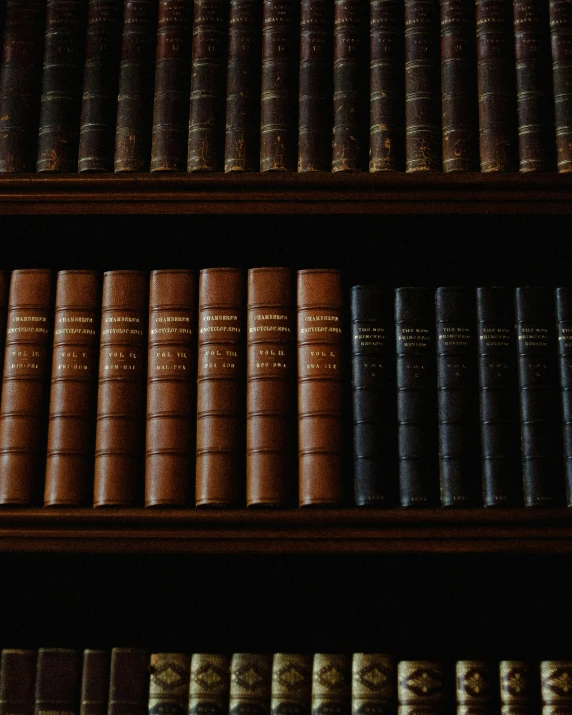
58	681
561	43
242	147
422	86
94	682
62	77
129	682
279	91
291	689
17	682
474	687
136	82
516	687
172	86
169	683
373	684
459	86
23	410
71	425
555	679
495	81
20	81
208	86
386	118
315	86
209	684
320	387
119	435
171	388
270	375
250	676
100	78
220	388
421	687
4	287
331	684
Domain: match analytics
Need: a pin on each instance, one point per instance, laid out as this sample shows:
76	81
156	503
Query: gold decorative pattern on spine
373	683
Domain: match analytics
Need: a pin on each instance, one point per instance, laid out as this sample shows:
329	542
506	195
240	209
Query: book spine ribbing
94	682
563	301
291	690
17	681
4	288
561	43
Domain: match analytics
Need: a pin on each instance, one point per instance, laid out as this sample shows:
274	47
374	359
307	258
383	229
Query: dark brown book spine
71	426
4	287
208	86
119	435
386	118
220	388
242	146
25	386
279	91
315	86
62	76
320	387
270	373
209	684
58	681
561	42
136	82
94	682
169	683
100	77
172	86
171	388
129	682
20	81
17	682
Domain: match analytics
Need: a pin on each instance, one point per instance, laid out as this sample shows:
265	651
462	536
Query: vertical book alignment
209	684
291	689
516	687
17	681
421	687
331	684
169	683
58	681
560	14
373	684
250	675
94	682
129	682
564	328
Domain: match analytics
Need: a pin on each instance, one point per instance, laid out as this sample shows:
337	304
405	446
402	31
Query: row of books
440	381
286	85
134	681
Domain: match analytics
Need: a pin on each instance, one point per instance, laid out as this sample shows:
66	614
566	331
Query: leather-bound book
136	81
129	682
100	84
498	392
242	144
250	677
495	82
560	13
422	86
4	288
279	90
459	86
421	686
209	684
315	86
555	679
373	386
58	681
416	396
220	388
25	386
516	687
62	78
349	144
564	328
18	682
95	682
20	81
172	86
320	387
71	426
457	396
169	683
291	690
539	418
119	436
270	392
171	388
208	86
331	684
475	688
387	61
373	684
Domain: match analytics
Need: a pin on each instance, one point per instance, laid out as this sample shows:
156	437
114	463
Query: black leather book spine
374	417
564	328
498	383
386	118
416	396
561	43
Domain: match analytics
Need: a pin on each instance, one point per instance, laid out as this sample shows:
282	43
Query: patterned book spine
349	145
421	687
320	387
270	392
374	418
242	149
172	86
23	410
58	681
20	78
556	687
94	682
250	678
169	683
457	394
331	684
515	687
474	688
495	80
4	288
120	428
291	690
220	388
100	76
315	86
71	426
171	388
498	395
129	682
136	81
458	86
280	48
17	681
564	328
422	86
561	42
208	86
209	684
416	396
386	120
62	75
373	684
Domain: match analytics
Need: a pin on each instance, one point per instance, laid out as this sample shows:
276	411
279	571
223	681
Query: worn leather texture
169	683
291	689
95	682
556	696
518	681
58	681
4	289
563	299
18	682
129	682
476	688
373	684
560	19
209	684
421	687
331	684
250	677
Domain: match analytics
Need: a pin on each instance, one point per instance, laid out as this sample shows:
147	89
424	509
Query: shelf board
314	531
289	193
